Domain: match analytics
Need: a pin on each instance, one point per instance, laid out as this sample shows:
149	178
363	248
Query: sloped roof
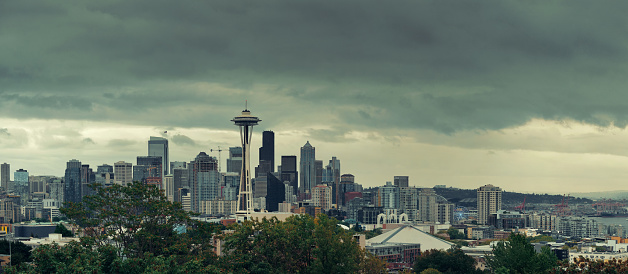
409	234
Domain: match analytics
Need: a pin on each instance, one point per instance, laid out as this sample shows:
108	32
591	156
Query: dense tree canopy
137	219
451	261
517	255
20	253
300	244
134	229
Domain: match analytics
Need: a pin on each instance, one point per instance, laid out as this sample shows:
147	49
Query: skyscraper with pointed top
307	167
245	196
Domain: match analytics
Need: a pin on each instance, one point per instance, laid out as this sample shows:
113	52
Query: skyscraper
158	146
72	188
333	177
21	184
318	166
234	163
206	184
87	178
123	172
489	201
289	171
180	181
245	195
307	167
267	151
275	190
5	176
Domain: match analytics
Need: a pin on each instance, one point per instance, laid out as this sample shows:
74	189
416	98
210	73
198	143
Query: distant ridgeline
455	195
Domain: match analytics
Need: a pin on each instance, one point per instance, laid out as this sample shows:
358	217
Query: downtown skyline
525	96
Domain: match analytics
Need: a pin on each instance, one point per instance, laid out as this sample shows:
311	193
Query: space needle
245	197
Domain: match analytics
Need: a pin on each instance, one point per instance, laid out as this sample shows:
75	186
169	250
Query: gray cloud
440	65
336	135
5	132
183	140
121	143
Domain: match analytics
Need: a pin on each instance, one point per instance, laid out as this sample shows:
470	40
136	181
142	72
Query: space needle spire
245	196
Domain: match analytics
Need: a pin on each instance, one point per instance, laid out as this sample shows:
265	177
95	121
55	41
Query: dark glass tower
267	151
307	167
275	192
289	171
72	187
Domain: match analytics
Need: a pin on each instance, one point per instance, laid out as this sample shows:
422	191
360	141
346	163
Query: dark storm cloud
441	65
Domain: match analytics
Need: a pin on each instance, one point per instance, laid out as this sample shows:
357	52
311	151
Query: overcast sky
526	95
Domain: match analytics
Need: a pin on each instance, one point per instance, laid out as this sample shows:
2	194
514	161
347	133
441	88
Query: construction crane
219	157
151	180
522	207
563	207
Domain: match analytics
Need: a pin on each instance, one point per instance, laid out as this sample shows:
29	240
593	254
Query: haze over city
527	96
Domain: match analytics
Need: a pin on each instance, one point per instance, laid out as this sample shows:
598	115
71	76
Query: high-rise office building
275	192
57	190
123	172
267	151
5	176
87	178
331	177
307	167
289	171
20	177
234	163
180	181
206	184
158	146
489	202
401	181
318	166
261	173
347	184
231	181
72	187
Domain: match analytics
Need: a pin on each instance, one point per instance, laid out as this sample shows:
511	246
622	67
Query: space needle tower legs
245	196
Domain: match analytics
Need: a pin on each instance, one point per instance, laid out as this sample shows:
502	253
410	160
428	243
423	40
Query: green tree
138	221
20	252
517	255
373	233
79	258
541	238
61	229
455	233
451	261
301	244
